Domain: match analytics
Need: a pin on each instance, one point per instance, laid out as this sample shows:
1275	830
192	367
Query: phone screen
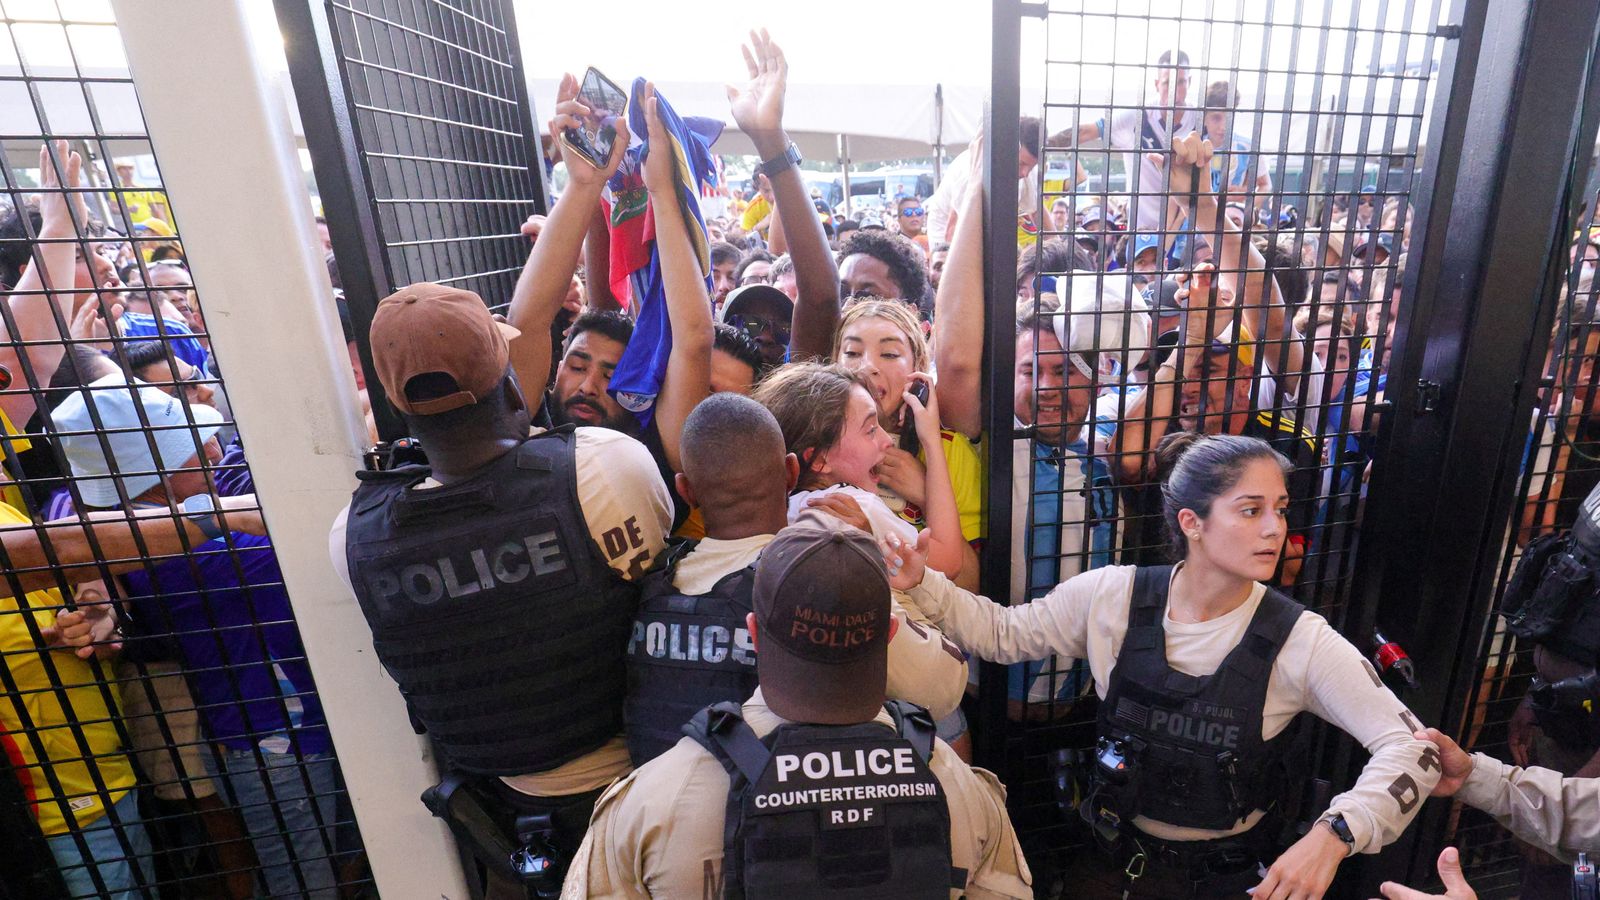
606	102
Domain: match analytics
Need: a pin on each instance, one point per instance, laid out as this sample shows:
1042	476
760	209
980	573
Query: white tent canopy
881	121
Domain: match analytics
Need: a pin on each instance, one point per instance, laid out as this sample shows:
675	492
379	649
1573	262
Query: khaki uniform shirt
1317	671
1559	815
629	513
658	832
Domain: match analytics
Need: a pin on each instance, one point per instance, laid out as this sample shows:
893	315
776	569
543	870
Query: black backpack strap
915	724
1149	599
666	562
1269	628
722	730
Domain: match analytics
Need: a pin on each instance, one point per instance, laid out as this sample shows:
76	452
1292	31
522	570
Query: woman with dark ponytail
1202	673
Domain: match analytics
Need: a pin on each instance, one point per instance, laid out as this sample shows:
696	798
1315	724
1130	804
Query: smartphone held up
598	128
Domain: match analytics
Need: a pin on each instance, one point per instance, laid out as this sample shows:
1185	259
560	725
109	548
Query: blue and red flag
634	255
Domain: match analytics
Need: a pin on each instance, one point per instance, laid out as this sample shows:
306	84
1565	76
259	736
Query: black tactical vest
493	610
1193	747
686	653
1553	598
836	811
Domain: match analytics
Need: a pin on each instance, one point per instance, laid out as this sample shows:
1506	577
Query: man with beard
588	360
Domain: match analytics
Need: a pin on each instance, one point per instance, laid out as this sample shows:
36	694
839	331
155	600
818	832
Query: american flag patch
1131	713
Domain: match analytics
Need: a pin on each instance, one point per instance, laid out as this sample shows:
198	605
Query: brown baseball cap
424	328
821	600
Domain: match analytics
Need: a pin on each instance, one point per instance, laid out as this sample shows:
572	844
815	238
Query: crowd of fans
1198	302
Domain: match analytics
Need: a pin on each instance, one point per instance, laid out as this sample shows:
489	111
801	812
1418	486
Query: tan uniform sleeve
925	668
982	839
1055	623
607	863
1342	689
625	503
1560	815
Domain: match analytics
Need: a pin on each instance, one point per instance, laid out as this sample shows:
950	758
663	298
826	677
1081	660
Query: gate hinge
1428	394
1039	10
1449	32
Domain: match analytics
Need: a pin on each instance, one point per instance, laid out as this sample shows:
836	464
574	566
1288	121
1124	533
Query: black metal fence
1326	120
421	134
161	728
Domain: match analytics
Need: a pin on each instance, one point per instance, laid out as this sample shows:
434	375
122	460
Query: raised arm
117	535
1243	271
1150	414
688	378
597	263
959	310
758	110
53	268
548	273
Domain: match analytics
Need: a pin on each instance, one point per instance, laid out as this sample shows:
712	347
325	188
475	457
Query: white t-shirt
883	519
953	187
629	514
1136	132
1317	670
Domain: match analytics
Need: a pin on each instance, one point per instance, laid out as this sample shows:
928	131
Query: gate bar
270	311
1000	351
1494	231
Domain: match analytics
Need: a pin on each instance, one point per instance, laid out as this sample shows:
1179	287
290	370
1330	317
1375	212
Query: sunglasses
754	326
913	211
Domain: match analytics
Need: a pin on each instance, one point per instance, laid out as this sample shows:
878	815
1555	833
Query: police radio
1585	885
406	451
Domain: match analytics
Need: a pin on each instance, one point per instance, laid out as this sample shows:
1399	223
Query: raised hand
568	109
924	416
1190	158
61	213
758	106
661	162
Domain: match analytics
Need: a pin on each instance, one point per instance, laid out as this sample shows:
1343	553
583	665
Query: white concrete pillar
221	133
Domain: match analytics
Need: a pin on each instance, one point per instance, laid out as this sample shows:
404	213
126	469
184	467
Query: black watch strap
1340	829
788	158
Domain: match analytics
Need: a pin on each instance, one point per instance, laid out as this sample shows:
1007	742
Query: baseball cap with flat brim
117	403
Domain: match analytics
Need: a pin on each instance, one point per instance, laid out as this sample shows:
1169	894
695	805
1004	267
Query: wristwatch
788	158
201	509
1340	829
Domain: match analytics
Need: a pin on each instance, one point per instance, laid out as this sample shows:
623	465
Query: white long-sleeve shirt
1317	670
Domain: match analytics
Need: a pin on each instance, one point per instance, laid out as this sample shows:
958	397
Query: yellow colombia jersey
51	742
9	492
754	213
961	456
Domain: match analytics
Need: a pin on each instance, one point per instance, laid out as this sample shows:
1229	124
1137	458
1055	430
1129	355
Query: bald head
735	464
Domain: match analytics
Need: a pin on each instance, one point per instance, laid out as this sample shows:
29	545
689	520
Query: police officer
1561	816
831	791
500	580
690	647
1553	603
1202	670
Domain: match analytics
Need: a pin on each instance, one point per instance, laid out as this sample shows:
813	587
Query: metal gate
422	138
1368	151
183	752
